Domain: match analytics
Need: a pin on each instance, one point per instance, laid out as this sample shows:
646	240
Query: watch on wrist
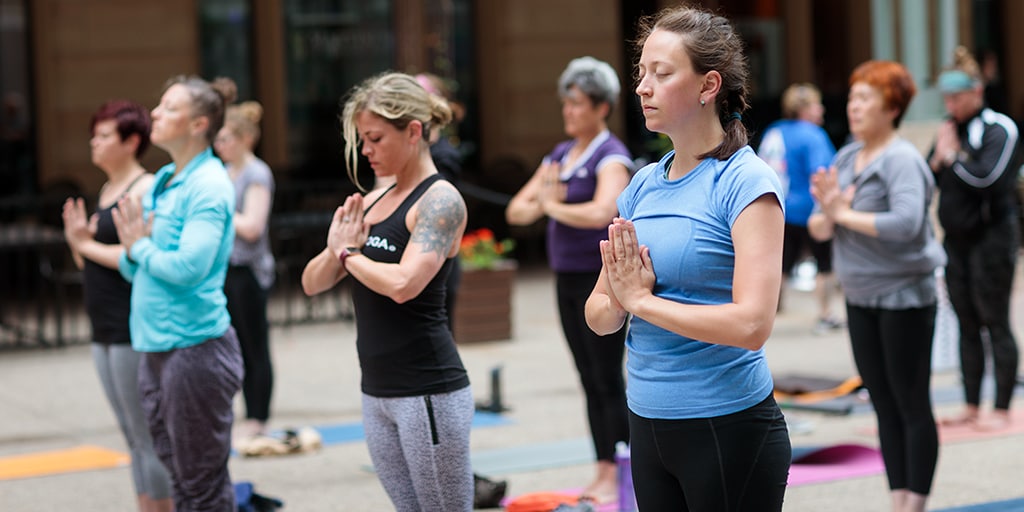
346	252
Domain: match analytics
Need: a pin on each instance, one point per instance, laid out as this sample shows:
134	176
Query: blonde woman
396	245
251	268
974	160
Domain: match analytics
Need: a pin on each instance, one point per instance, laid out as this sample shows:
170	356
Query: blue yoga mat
1011	505
350	432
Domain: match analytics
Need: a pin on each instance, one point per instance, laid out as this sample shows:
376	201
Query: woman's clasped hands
347	227
826	191
627	265
130	222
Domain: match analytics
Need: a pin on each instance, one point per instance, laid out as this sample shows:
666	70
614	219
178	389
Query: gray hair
593	77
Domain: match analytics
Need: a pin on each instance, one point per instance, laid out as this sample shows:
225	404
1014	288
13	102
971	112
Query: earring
702	102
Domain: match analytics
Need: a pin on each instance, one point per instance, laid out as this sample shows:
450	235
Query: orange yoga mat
79	458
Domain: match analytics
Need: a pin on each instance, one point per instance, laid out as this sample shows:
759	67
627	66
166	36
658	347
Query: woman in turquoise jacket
177	242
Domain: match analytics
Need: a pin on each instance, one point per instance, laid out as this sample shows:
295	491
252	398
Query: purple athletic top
573	249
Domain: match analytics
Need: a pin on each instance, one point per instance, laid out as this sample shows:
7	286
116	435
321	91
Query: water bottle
627	501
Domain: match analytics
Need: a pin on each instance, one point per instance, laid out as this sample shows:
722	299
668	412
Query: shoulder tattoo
439	215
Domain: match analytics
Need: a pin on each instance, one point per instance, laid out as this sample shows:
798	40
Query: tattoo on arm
439	215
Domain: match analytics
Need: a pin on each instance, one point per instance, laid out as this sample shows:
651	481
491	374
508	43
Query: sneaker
827	324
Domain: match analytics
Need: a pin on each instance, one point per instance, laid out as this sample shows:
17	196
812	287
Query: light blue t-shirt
796	149
687	225
178	271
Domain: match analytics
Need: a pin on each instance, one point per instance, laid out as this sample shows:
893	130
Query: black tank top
107	294
405	349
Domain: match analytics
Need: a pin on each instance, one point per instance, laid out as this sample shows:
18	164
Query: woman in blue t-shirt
693	259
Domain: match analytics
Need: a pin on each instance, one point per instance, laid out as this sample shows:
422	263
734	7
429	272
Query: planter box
483	304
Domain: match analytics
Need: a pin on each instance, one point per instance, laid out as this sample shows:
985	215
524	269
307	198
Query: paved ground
50	399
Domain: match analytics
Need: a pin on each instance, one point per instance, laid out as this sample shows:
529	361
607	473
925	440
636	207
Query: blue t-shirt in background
796	149
687	224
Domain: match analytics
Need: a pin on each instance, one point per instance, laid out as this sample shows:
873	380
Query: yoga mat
79	458
825	464
570	493
518	459
1011	505
967	432
350	432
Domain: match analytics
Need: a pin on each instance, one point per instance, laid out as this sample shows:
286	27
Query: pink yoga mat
835	463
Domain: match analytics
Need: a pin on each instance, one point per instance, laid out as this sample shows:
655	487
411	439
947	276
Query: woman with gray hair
397	245
575	186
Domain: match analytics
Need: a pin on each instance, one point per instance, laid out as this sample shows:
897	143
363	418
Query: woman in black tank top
397	252
120	134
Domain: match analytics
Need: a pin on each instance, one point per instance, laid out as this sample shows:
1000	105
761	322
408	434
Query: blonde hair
243	120
964	61
798	97
398	99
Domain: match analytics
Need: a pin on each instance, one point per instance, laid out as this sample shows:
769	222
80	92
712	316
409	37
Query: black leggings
730	463
893	352
979	277
598	361
247	305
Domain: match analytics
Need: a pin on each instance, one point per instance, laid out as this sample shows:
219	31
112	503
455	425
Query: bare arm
438	220
525	208
251	222
598	212
80	232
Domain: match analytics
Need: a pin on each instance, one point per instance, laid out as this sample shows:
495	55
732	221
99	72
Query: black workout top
404	349
107	294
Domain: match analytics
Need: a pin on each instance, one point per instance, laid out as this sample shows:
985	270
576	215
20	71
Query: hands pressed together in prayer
130	222
347	227
825	189
947	145
552	190
78	226
627	265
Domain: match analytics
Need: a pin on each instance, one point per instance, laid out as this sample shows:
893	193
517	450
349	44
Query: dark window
17	138
225	27
330	45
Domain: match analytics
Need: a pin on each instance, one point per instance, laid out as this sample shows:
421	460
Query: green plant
479	249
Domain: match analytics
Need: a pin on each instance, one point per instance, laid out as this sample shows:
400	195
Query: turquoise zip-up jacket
177	272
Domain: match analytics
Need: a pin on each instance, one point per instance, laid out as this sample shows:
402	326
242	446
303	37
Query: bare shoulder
441	202
144	183
440	216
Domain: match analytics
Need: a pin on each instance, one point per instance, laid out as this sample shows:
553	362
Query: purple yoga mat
835	463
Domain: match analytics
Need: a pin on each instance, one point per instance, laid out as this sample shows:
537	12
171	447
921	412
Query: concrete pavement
50	399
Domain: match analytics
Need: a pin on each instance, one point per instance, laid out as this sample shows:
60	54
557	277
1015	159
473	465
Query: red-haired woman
120	134
873	204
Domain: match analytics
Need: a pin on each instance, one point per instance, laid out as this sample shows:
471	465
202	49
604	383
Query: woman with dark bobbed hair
120	135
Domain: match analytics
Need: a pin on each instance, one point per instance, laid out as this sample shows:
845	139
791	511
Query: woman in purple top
575	186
